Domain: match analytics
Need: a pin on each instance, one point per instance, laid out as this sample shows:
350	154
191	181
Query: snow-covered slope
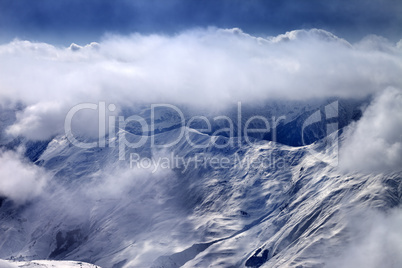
45	264
248	205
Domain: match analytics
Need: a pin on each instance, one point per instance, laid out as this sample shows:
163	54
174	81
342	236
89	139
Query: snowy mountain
45	264
166	134
195	204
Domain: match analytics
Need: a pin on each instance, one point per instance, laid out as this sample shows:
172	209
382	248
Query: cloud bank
20	180
374	143
376	242
201	67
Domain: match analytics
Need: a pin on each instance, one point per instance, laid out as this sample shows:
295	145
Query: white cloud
210	67
374	143
20	180
38	121
128	181
379	242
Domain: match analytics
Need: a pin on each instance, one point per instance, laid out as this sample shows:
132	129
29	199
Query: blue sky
63	22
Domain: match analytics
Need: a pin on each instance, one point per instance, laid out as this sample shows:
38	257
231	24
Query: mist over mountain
206	200
201	140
